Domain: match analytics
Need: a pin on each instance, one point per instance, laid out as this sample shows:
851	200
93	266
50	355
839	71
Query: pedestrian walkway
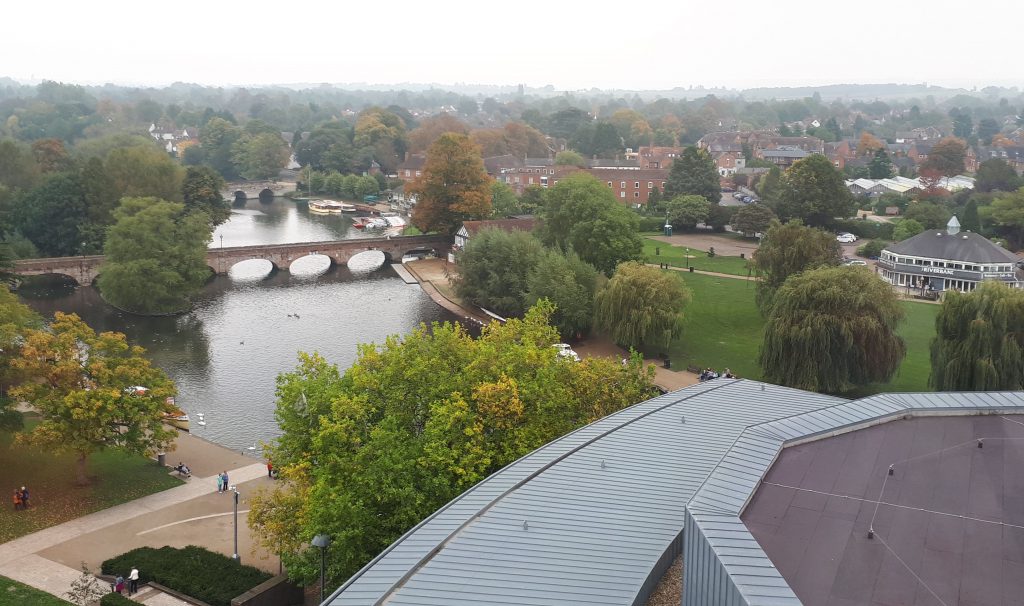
706	273
20	559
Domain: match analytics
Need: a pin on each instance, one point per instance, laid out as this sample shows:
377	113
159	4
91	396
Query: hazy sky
656	44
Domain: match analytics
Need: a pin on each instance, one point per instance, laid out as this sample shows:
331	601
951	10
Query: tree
996	175
1007	213
606	141
832	329
928	214
15	319
51	155
144	171
83	385
970	220
504	202
569	283
260	156
641	305
493	269
768	187
51	216
155	256
907	228
963	126
979	340
720	216
869	145
569	158
580	213
987	128
365	456
880	166
201	190
947	157
686	211
813	191
753	219
694	172
454	186
432	128
786	250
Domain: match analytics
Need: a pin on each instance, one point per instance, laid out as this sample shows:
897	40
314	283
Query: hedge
116	599
193	571
874	230
652	223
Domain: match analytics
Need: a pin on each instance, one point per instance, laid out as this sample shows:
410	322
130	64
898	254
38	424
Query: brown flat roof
948	524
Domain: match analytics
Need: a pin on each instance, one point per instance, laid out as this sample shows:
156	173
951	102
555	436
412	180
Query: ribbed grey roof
964	246
602	506
714	512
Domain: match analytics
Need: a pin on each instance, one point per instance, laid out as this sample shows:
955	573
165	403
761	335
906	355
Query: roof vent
953	227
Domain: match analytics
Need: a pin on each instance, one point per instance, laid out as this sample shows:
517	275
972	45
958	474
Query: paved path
20	559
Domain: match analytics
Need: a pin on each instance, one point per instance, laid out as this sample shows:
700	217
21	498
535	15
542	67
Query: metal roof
714	511
586	519
963	246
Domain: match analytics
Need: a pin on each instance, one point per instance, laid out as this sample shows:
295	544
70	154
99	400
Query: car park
846	238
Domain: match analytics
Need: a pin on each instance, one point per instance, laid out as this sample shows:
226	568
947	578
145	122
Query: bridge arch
312	264
366	261
240	197
252	269
266	195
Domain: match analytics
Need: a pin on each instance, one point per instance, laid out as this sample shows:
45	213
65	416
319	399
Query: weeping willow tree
979	341
831	329
641	305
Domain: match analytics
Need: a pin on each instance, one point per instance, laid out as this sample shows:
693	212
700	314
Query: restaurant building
935	261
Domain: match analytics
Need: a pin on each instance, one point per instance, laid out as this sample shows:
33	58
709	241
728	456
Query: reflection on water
281	222
225	354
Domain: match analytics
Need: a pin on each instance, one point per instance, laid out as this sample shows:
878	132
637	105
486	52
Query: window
622	184
609	184
418	173
650	185
636	185
531	180
622	194
662	185
636	194
408	172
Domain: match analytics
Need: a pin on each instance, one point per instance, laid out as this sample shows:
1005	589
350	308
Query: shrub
652	223
872	249
116	599
193	571
866	229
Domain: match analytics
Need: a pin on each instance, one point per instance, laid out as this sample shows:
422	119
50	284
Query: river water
247	327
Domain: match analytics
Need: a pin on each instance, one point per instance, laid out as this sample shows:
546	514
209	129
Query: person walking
24	497
119	584
270	469
224	477
17	499
133	581
220	483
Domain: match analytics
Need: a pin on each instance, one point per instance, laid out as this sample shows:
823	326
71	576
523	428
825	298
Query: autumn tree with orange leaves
454	186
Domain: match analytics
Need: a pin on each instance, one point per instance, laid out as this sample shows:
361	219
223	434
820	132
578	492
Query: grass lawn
723	330
676	257
13	593
50	478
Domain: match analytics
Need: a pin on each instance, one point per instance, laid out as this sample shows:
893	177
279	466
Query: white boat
394	219
325	207
175	416
347	208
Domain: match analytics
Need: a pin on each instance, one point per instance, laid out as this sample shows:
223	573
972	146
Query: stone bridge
265	191
85	269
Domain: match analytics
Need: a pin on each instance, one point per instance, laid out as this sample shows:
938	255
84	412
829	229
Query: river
247	327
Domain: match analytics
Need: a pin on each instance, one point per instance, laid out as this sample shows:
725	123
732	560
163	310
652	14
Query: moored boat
325	207
176	417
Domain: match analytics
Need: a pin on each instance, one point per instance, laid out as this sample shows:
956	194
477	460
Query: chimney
953	227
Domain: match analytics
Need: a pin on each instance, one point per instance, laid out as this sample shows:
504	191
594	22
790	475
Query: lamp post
322	541
235	557
687	258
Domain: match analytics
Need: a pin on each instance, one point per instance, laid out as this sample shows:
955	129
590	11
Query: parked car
747	199
846	238
738	196
854	262
565	351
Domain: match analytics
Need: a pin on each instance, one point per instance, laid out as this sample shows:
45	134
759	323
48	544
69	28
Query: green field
50	478
13	593
723	330
660	252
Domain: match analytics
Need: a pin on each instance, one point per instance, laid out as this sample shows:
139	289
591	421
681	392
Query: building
598	515
411	168
936	261
658	156
632	186
471	228
783	157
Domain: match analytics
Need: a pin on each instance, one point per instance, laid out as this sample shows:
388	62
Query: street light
235	557
687	258
322	541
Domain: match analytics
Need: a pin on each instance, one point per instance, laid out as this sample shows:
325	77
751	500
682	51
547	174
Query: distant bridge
85	269
239	191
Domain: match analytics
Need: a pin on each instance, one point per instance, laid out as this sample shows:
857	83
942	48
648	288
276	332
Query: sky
571	45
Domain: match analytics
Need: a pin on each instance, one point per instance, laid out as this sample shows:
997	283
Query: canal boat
325	207
347	208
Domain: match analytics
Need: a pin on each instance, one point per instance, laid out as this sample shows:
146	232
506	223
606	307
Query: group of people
708	373
183	470
21	498
222	481
132	581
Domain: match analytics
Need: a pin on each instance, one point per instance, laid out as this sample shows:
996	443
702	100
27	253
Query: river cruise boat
328	207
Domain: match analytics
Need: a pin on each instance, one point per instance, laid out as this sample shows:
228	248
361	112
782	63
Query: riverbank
434	277
193	513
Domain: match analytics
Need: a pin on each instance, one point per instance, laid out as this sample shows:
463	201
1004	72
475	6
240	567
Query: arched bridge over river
85	269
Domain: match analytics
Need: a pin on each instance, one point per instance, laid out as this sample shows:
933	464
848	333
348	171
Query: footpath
190	514
433	276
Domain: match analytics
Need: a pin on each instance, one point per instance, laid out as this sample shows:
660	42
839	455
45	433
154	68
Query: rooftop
948	527
958	246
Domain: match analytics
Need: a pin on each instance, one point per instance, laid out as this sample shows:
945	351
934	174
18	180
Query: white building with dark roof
937	261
